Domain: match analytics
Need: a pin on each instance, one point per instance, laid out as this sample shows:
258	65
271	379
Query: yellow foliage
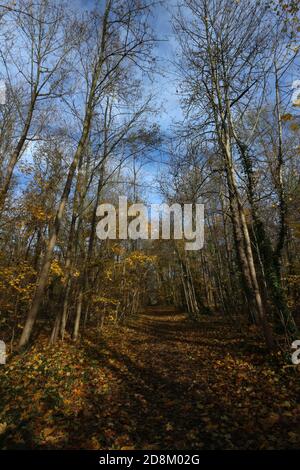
287	117
104	300
138	258
38	212
18	279
56	269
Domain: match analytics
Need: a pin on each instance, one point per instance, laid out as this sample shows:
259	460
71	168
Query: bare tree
42	68
122	39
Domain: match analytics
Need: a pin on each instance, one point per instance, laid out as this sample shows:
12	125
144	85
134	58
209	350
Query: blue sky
163	87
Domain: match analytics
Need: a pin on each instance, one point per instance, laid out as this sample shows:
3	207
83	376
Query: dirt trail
175	384
161	382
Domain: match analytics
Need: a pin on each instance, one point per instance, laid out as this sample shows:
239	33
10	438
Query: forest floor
160	382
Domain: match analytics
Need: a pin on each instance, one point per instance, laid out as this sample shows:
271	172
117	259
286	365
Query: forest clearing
149	225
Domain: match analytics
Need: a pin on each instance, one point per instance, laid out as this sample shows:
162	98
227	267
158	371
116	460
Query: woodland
124	344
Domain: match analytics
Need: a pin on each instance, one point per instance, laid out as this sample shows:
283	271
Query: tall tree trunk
43	276
15	156
269	259
244	246
78	315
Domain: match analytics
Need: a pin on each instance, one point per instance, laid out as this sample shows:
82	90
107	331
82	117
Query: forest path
159	382
177	384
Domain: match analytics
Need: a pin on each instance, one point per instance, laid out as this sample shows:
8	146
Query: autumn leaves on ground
158	382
